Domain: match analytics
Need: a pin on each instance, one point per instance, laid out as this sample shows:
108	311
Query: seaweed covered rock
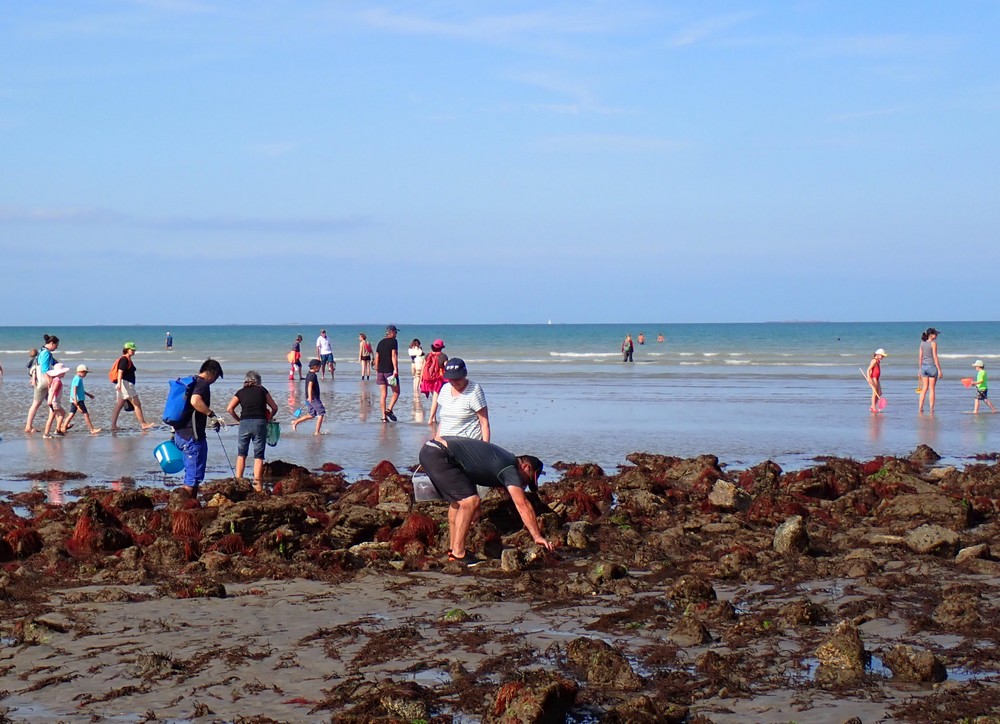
252	519
909	664
536	698
842	657
602	664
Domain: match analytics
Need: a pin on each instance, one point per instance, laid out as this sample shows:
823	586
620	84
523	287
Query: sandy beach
678	592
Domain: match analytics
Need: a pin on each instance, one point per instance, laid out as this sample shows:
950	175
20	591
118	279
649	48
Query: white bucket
423	489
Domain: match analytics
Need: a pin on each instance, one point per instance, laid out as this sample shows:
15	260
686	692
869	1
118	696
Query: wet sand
672	598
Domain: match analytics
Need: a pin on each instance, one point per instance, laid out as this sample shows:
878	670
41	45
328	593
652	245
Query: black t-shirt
386	347
194	427
486	464
253	402
126	366
312	391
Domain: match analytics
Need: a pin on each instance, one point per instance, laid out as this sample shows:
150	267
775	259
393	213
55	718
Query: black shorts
446	474
983	394
78	406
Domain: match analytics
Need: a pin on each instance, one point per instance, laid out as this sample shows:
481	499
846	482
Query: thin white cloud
177	6
707	29
880	45
23	215
581	97
611	142
481	28
12	215
272	149
862	115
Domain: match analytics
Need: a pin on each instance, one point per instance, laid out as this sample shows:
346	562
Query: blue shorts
316	407
928	371
254	430
327	359
982	394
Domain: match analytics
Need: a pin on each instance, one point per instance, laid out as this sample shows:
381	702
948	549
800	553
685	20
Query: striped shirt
457	413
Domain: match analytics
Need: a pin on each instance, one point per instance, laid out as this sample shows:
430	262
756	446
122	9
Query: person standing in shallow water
627	348
387	372
365	355
928	368
125	388
873	373
256	408
38	371
190	437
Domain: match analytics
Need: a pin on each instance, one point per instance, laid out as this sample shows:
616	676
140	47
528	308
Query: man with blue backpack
189	429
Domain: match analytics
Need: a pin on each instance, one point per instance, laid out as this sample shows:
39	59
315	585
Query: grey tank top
926	354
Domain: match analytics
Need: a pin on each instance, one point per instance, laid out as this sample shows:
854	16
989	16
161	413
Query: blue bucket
169	457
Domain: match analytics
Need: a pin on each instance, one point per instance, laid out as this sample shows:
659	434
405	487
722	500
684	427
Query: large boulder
905	510
934	540
790	537
254	518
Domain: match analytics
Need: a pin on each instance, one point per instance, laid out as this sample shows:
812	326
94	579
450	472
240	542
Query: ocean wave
686	354
739	362
585	354
968	356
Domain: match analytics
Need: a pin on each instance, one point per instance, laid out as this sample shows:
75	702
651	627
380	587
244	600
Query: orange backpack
113	372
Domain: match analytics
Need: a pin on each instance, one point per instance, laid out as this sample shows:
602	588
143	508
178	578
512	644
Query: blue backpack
177	409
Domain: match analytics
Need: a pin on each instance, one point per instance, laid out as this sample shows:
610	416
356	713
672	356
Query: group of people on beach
459	457
928	374
46	376
628	345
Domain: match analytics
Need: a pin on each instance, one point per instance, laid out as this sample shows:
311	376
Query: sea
791	392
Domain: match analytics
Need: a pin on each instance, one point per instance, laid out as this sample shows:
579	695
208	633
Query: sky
267	161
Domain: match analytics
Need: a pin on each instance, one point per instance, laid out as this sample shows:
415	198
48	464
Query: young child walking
982	385
313	402
56	411
78	402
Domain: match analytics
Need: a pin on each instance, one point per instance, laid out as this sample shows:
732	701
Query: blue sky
258	161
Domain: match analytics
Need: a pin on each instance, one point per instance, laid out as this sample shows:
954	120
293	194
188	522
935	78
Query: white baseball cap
881	352
82	368
978	363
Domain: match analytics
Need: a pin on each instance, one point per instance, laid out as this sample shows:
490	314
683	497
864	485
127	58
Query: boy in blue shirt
78	402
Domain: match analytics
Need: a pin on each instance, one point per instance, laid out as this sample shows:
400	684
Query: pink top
55	392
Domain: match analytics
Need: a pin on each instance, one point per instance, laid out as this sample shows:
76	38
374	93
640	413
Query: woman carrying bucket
257	407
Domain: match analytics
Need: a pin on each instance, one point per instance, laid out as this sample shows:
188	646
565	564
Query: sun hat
978	363
438	344
881	352
82	368
58	371
454	369
129	345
